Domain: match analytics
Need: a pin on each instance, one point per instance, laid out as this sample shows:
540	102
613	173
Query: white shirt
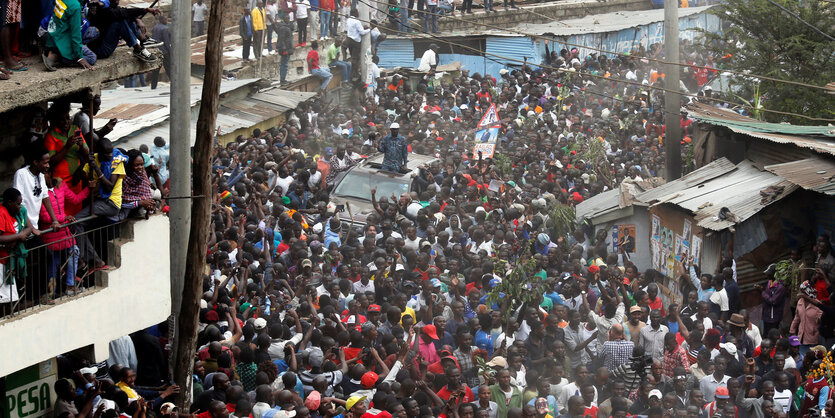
272	11
783	399
199	12
721	298
362	288
429	59
754	334
26	182
284	183
355	30
301	9
707	321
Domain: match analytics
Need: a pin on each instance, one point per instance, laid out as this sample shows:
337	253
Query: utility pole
198	234
179	142
672	101
365	45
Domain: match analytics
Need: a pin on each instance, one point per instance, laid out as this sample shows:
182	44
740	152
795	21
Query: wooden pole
92	146
186	342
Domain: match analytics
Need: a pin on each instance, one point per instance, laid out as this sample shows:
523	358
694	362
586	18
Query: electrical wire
628	82
681	64
790	13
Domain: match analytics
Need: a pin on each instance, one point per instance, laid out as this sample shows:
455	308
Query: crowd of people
307	313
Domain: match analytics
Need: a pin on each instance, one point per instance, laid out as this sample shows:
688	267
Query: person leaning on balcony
107	169
63	39
29	180
66	146
14	228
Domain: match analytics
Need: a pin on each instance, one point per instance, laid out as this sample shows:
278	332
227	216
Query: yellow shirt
118	168
132	395
258	19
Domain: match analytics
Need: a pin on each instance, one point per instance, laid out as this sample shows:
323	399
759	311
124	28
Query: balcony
134	293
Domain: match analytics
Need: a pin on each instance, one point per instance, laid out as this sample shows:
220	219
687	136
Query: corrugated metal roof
122	100
233	112
816	173
597	204
602	23
720	184
817	138
612	200
706	173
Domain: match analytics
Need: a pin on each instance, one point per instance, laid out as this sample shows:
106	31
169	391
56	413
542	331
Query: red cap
374	308
369	380
430	331
722	393
576	197
594	269
211	316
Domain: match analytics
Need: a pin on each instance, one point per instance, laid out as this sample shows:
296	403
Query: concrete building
133	294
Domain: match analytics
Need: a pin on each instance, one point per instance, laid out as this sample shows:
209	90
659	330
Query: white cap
729	347
260	323
89	370
656	393
346	132
394	125
503	71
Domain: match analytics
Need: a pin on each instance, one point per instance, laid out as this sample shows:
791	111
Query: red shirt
8	226
326	5
312	60
444	394
657	305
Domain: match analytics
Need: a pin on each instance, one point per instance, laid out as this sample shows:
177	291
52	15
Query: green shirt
332	53
65	29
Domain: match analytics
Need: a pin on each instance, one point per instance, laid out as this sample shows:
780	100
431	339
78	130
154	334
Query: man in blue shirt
395	150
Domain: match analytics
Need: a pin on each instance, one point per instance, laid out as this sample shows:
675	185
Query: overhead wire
562	70
660	61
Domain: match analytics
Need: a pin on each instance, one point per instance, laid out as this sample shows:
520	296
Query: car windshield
358	185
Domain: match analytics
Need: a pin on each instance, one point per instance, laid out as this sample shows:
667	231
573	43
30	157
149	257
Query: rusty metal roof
817	138
815	173
719	184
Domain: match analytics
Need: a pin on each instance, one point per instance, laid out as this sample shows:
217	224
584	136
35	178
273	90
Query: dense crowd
306	313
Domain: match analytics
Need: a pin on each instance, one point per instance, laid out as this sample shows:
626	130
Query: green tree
762	39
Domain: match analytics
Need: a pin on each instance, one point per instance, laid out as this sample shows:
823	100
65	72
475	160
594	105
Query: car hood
359	208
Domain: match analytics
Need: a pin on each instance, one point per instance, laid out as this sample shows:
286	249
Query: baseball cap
369	380
656	393
794	341
729	347
260	323
497	361
316	357
721	393
167	408
307	263
313	401
353	401
635	308
394	125
430	331
374	308
88	370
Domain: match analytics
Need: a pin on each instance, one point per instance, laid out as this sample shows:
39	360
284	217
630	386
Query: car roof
374	162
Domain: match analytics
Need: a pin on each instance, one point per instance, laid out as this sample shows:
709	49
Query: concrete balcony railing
134	293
